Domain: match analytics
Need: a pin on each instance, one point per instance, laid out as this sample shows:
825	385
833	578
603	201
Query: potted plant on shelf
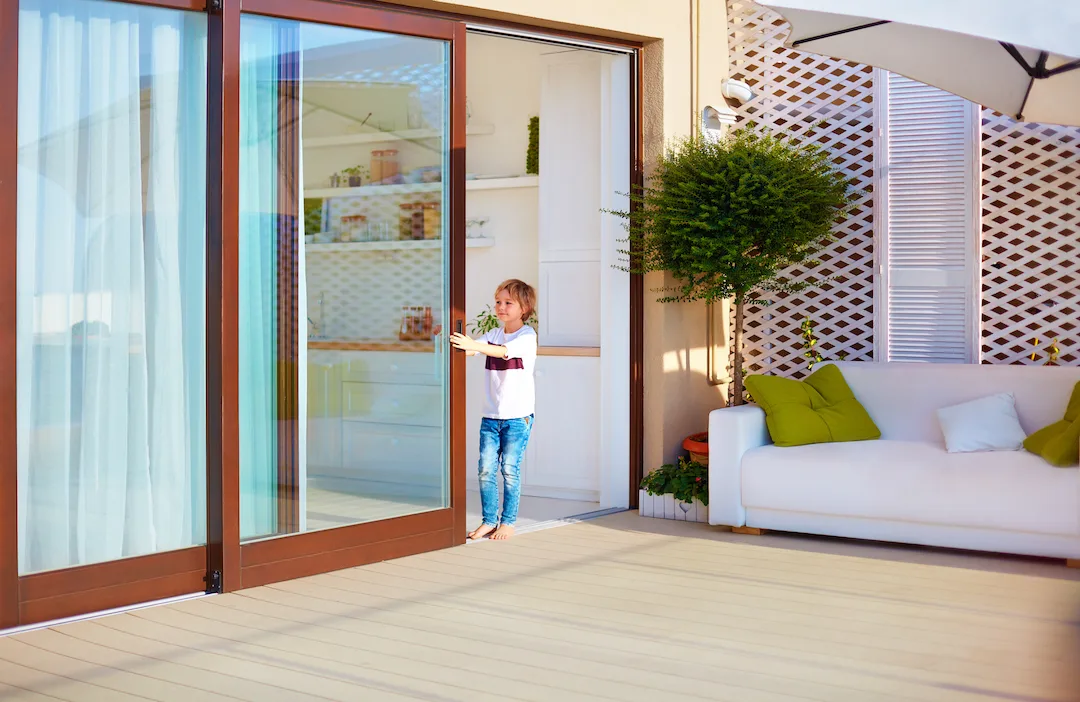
355	175
532	152
678	492
731	218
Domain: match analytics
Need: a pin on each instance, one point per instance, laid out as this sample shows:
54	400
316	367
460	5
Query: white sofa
905	487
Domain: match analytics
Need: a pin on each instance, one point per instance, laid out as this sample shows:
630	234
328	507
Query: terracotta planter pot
698	446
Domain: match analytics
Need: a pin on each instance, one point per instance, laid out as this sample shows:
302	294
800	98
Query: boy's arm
471	347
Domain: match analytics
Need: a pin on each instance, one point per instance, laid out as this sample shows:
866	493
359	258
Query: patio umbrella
1019	57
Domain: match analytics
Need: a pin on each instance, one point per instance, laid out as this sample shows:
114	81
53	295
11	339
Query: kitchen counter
372	345
429	347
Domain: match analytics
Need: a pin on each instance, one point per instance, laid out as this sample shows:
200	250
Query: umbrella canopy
1021	58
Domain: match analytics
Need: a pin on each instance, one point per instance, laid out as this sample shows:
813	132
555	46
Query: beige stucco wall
681	74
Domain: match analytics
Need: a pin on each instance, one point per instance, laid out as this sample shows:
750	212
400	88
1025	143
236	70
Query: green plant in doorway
733	218
532	155
487	321
687	481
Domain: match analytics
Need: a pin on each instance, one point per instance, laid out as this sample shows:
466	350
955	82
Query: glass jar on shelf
432	220
405	220
390	164
354	228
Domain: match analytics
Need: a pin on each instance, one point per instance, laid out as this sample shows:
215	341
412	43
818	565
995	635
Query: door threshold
560	522
103	613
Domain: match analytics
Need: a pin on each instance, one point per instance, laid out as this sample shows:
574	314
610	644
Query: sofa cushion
915	482
903	397
987	424
818	409
1059	443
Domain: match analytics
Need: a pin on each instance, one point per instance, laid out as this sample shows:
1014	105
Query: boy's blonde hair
521	293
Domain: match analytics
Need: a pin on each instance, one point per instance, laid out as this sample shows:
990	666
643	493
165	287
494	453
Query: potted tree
729	218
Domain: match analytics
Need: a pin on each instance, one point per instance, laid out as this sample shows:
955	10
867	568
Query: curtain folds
111	282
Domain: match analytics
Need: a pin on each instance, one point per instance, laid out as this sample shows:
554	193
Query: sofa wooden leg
1072	562
753	531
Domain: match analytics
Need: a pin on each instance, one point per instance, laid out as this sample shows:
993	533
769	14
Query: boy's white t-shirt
511	390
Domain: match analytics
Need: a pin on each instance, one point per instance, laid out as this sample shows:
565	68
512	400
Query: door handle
459	326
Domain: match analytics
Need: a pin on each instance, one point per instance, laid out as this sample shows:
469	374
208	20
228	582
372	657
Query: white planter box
665	507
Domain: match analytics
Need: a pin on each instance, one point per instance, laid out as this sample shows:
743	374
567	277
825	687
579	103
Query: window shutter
928	250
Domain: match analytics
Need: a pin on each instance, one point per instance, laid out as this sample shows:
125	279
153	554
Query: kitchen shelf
527	181
412	188
385	137
478	243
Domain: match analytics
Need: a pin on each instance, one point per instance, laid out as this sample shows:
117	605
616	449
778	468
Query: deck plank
619	608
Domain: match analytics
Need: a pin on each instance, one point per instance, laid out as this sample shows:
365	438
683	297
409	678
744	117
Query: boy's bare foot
481	531
504	532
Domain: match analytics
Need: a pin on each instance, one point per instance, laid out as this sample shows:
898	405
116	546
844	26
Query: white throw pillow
987	424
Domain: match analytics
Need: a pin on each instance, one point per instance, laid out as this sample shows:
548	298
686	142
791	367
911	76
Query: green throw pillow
1059	443
817	410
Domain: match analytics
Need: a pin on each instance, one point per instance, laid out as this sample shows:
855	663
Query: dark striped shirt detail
502	364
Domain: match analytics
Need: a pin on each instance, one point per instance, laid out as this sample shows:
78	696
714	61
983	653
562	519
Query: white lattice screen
1031	237
829	102
1030	211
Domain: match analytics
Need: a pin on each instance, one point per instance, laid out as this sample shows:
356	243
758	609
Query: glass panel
111	281
343	280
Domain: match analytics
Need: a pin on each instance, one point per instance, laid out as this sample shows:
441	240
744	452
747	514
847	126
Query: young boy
511	400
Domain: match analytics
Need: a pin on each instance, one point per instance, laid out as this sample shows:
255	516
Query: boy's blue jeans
502	446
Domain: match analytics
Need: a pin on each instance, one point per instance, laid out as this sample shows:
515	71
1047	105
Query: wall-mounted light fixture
736	90
715	119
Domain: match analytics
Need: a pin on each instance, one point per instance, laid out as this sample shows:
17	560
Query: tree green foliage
729	218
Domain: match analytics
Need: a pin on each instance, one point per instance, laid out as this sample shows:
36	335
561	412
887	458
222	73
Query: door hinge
213	582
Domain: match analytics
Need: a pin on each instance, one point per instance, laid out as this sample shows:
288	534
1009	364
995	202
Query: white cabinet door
563	458
570	220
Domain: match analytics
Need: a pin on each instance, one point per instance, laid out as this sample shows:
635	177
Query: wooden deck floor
620	608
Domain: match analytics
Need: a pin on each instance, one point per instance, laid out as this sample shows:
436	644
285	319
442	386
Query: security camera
736	90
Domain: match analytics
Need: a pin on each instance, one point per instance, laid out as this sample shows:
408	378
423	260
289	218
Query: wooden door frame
9	404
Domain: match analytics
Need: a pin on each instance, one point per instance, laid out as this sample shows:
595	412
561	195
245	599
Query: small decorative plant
356	175
1053	353
731	219
532	155
810	351
487	321
688	481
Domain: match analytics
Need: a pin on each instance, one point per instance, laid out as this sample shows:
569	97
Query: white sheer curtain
111	281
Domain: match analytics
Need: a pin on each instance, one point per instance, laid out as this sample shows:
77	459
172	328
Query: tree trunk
737	372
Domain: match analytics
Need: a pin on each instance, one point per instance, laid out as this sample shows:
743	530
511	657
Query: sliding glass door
110	302
351	274
236	250
344	153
